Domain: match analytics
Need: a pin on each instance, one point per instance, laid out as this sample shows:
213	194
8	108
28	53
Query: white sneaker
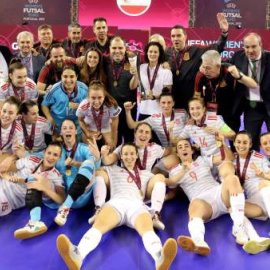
158	224
92	219
69	253
258	245
240	234
61	217
167	255
191	245
32	229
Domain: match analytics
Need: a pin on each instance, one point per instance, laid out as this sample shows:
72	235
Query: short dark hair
263	134
181	28
57	144
244	132
26	105
166	92
99	19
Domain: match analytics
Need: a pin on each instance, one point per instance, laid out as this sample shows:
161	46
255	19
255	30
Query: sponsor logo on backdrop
133	7
232	13
33	11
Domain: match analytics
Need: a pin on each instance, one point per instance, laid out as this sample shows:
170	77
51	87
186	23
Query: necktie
254	70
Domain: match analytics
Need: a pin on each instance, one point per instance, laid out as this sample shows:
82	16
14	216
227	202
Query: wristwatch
241	74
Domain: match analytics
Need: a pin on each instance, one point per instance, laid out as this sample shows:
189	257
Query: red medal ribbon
152	82
97	118
10	136
29	140
69	94
181	58
165	127
117	74
142	165
136	178
21	96
238	173
72	154
202	124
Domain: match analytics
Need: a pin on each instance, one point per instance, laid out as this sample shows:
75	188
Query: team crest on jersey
133	7
177	121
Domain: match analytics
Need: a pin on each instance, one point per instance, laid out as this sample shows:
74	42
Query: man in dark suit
254	102
33	63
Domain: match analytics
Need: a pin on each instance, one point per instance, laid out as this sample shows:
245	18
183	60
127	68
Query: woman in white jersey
149	153
11	134
34	126
98	115
161	122
128	188
208	198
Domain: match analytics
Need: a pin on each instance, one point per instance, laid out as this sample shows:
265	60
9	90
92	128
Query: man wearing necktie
254	102
33	63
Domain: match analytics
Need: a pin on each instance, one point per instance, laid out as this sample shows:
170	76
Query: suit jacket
6	53
38	63
241	61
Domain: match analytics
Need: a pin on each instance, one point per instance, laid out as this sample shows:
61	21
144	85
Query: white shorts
12	196
128	210
213	198
258	200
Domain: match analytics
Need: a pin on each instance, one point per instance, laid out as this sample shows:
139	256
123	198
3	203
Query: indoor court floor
122	248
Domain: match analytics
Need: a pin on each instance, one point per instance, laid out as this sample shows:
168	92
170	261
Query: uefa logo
33	1
133	7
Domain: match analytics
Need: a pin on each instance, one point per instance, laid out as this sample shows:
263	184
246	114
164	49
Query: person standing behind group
254	102
102	39
185	60
122	84
74	45
92	69
153	79
33	63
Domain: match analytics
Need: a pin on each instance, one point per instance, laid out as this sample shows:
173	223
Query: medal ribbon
165	127
244	172
136	178
29	140
152	82
181	58
97	118
16	93
142	165
117	74
72	154
10	136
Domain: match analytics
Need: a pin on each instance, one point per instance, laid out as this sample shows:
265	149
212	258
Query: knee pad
33	198
78	186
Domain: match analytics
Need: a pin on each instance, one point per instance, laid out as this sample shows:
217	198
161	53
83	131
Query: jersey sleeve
115	111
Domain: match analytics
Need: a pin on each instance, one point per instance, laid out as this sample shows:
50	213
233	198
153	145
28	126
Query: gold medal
141	192
68	172
219	144
115	83
177	72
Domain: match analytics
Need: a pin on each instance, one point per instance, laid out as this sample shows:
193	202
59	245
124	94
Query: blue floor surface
122	248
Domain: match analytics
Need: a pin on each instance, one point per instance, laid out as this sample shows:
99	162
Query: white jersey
205	140
15	193
84	111
155	120
251	183
43	126
198	179
5	132
123	186
154	152
29	91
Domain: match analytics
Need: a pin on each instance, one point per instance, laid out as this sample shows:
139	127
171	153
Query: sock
265	192
68	202
35	214
152	244
89	242
237	205
100	191
196	229
157	197
250	230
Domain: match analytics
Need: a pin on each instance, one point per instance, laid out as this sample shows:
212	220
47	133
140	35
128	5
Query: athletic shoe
240	234
32	229
92	219
158	224
69	253
61	217
256	246
169	252
191	245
